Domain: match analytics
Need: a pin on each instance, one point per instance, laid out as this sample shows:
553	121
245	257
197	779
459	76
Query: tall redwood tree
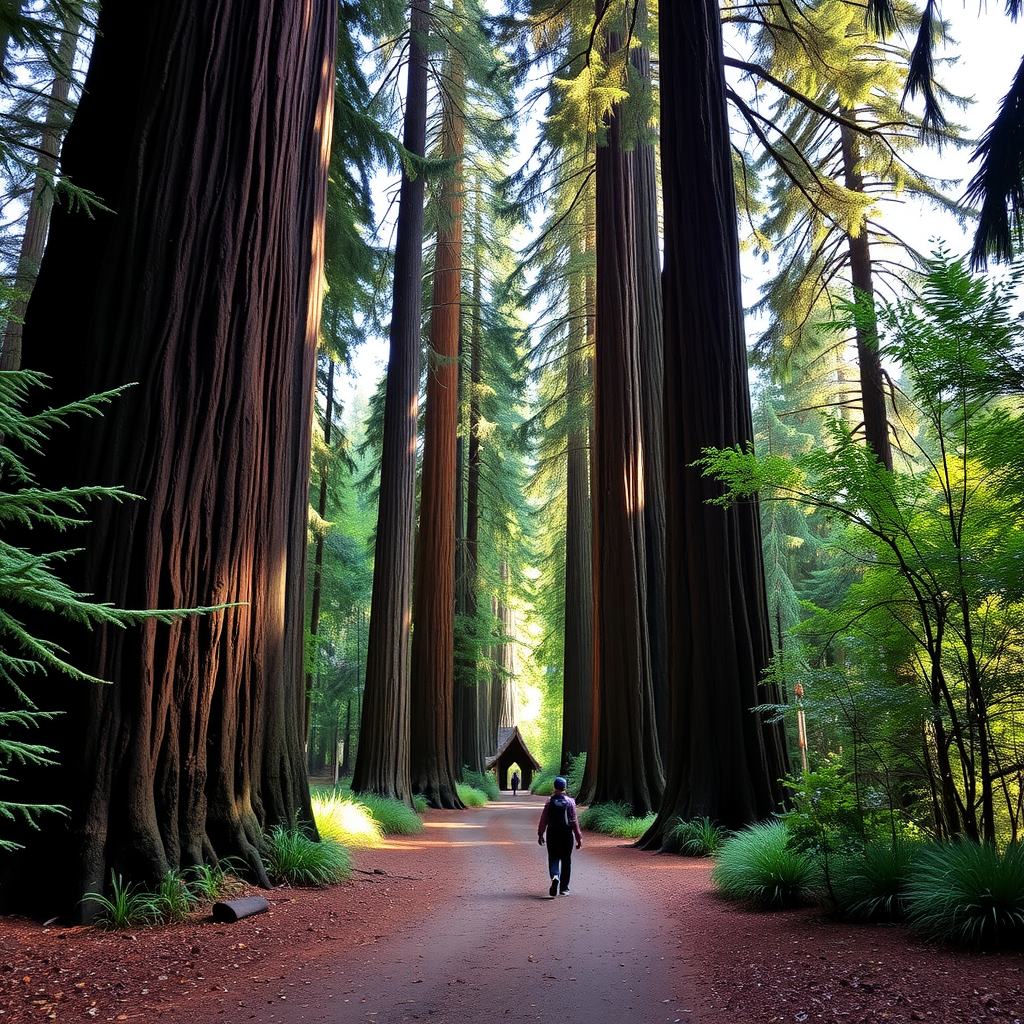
205	128
382	764
723	760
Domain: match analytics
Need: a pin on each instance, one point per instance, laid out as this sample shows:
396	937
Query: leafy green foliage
483	781
296	859
759	868
699	837
968	893
614	819
173	899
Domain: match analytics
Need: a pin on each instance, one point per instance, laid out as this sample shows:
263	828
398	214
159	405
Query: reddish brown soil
455	927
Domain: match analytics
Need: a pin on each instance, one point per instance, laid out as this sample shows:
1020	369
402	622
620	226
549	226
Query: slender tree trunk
724	761
432	767
652	374
318	553
37	220
872	377
382	764
474	746
625	744
579	622
202	287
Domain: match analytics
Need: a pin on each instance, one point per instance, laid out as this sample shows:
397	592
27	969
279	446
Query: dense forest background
712	555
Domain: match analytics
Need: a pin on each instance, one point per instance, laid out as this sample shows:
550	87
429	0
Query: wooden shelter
512	750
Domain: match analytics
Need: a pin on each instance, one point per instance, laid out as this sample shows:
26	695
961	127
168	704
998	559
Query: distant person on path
515	783
559	821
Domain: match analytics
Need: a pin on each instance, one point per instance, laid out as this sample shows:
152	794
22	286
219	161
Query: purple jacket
573	820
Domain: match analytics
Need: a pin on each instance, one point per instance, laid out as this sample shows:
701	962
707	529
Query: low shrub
758	868
296	859
172	900
419	804
471	796
345	820
211	882
699	837
968	893
614	819
872	885
484	781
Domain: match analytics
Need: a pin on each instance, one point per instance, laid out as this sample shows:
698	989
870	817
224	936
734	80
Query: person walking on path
515	783
560	823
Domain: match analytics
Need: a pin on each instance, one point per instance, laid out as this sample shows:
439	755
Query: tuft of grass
394	817
471	796
614	819
345	820
484	781
294	858
210	882
872	885
126	906
172	900
700	837
757	868
419	805
969	894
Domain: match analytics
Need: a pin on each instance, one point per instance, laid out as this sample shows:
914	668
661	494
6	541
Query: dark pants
560	857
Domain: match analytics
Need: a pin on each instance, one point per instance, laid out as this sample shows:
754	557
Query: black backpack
558	813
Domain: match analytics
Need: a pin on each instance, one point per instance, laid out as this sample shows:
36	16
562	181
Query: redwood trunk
625	744
723	761
433	770
382	764
201	286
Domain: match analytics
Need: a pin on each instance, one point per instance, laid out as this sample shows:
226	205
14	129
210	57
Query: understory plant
614	819
699	837
969	894
484	781
125	906
296	859
758	867
345	820
470	795
394	817
872	885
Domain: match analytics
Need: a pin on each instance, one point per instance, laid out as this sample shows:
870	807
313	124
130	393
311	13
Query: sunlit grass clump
484	781
614	819
294	858
968	893
394	817
345	820
470	795
756	867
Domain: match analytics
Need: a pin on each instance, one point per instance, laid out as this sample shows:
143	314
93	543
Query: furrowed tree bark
382	764
723	761
625	742
202	286
432	748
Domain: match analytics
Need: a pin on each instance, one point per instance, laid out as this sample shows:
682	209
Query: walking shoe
554	886
566	891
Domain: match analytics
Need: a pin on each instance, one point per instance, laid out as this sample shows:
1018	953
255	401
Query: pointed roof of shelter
508	738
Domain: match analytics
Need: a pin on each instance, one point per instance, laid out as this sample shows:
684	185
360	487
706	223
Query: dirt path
504	951
454	926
